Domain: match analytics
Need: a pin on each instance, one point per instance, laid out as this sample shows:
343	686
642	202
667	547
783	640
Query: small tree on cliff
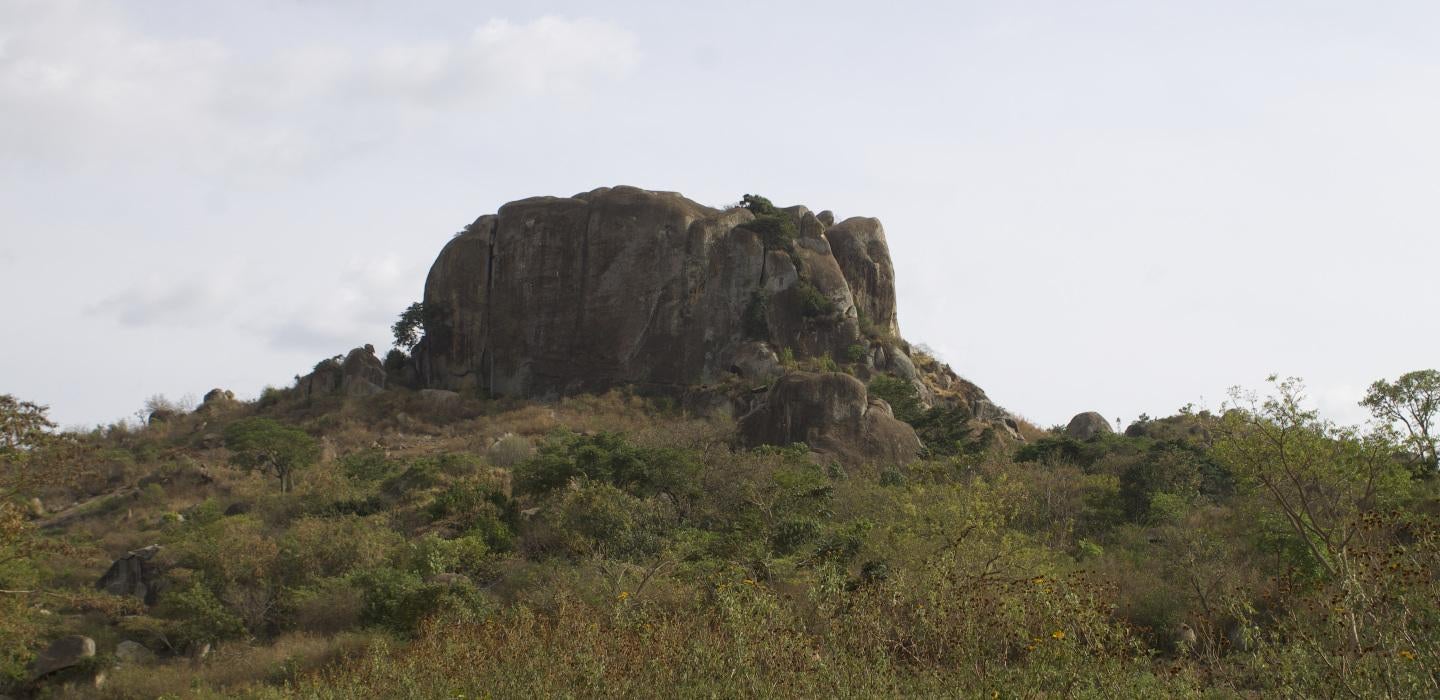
265	445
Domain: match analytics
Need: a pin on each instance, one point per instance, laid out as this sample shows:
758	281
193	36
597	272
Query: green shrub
856	353
609	458
903	397
813	303
368	465
196	616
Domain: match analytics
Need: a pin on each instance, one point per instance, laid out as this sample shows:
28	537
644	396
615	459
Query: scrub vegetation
397	546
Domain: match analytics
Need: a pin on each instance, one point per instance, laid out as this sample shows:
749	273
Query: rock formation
63	653
628	287
833	414
1087	425
132	575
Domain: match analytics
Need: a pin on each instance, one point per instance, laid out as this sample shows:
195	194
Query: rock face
362	373
622	286
833	414
132	575
1087	425
63	653
627	286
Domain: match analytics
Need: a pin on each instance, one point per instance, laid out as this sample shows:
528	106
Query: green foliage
263	444
757	205
1320	476
826	363
813	303
409	327
1413	402
23	425
856	353
197	617
368	465
609	458
903	397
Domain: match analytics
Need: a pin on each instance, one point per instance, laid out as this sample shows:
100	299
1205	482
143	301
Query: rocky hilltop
621	286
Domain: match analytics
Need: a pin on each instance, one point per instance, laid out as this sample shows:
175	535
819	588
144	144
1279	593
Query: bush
609	458
903	397
509	451
812	302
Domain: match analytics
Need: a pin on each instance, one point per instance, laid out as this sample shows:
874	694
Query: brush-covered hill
487	516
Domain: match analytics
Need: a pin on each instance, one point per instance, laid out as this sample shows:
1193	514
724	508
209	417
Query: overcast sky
1101	205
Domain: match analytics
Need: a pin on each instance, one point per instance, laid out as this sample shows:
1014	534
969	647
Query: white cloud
80	83
330	312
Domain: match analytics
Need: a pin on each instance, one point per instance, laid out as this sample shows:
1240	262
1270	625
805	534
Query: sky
1120	206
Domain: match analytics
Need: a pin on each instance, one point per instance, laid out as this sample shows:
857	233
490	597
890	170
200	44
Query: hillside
632	446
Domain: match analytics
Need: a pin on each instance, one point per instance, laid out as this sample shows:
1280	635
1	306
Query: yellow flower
623	595
749	581
1407	654
1058	634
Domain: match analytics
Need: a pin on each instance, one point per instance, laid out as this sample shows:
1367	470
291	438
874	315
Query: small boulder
62	653
37	508
132	653
1088	425
132	575
237	508
826	217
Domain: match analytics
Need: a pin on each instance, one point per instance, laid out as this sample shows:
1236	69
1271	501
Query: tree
1413	401
265	445
410	326
1319	476
23	425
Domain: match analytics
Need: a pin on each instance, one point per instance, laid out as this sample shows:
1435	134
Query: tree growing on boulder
265	445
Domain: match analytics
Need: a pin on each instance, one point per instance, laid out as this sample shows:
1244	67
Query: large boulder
1087	425
132	575
63	653
362	373
622	286
863	256
833	414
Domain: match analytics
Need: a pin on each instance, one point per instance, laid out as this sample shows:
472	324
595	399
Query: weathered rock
620	286
1087	425
161	415
757	362
832	414
863	256
237	508
362	373
826	217
37	508
62	653
217	400
132	575
132	653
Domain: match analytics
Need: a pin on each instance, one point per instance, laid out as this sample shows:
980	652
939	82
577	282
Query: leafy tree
265	445
903	397
609	458
409	327
1319	476
23	425
1413	401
